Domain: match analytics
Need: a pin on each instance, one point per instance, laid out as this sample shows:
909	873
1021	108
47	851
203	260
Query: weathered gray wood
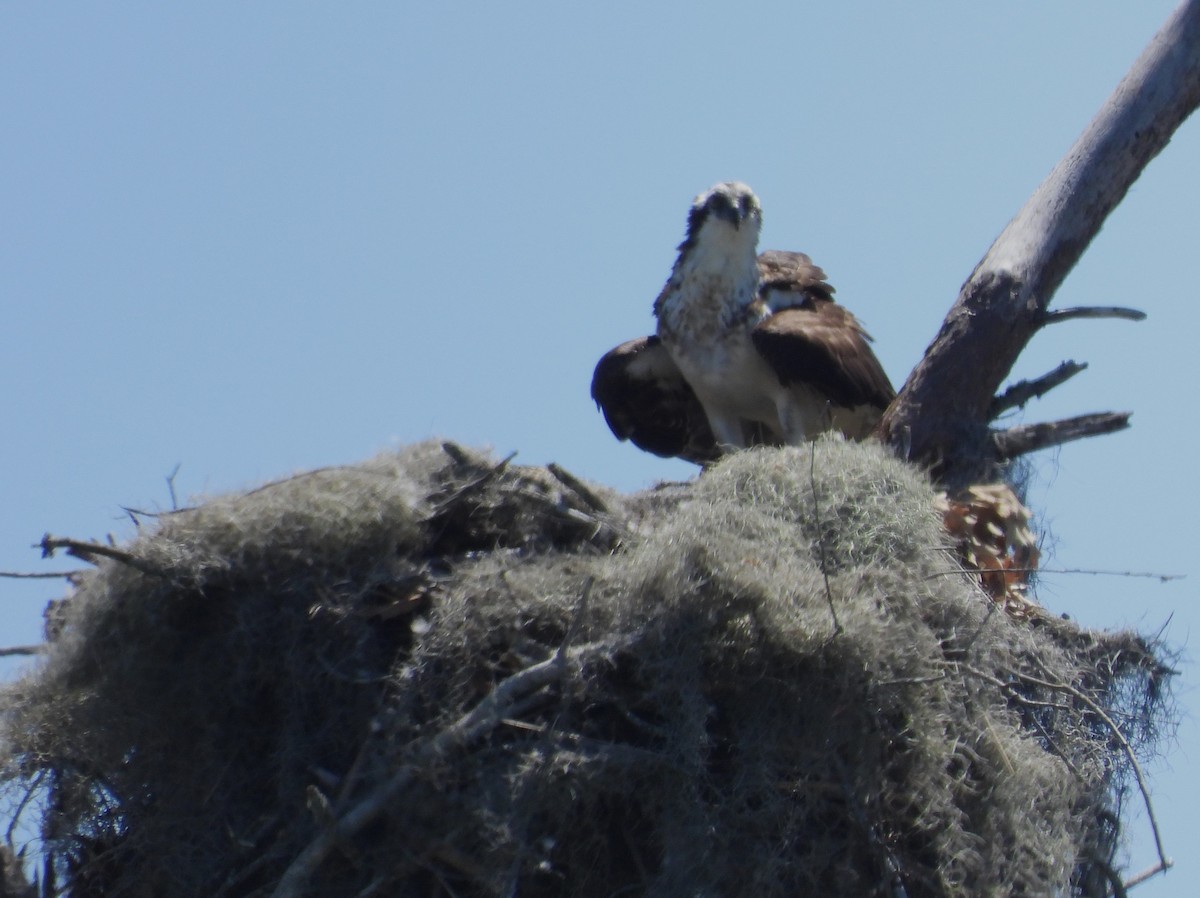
940	416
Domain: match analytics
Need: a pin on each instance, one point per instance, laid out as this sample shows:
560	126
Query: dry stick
53	575
1021	392
1126	748
491	712
1139	878
171	486
812	482
1058	315
23	650
1008	444
471	486
86	551
940	416
1149	575
577	486
15	817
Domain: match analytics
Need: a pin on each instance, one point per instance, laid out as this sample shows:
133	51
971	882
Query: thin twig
15	816
23	650
53	575
1148	575
89	551
1059	315
585	598
578	487
171	485
474	485
812	482
1021	392
992	608
1151	871
1126	748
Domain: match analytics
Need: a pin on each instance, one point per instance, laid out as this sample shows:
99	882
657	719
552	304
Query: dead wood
940	417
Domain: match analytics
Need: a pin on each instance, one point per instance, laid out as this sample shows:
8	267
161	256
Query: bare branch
49	575
22	650
1126	748
89	552
1021	392
940	417
1059	315
1095	572
1139	878
1026	438
812	485
579	488
171	486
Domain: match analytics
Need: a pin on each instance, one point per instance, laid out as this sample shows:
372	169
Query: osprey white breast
710	304
752	346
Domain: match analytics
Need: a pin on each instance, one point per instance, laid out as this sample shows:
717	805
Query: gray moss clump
436	674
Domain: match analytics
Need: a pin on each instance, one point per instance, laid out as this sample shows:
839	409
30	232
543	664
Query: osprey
751	349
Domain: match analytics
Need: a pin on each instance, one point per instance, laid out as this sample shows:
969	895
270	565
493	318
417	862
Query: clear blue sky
248	239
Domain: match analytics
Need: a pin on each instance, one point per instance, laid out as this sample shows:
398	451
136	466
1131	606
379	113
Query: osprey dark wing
645	400
811	340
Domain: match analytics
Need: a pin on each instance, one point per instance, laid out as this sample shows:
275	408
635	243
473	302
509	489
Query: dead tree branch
1058	315
1026	438
22	650
89	552
47	575
940	417
1021	392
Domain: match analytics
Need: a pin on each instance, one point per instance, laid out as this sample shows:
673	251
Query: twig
1151	871
459	454
53	575
1149	575
15	816
812	482
23	650
1126	748
1059	315
471	486
585	598
88	552
992	608
491	712
578	487
1028	438
1021	392
171	486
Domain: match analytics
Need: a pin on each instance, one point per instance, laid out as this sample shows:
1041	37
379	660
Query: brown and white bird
750	349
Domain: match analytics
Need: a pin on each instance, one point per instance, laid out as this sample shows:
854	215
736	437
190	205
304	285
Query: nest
436	674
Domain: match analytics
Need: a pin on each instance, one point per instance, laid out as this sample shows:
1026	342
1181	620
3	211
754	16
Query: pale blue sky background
248	239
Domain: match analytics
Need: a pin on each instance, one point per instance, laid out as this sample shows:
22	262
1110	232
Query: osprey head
727	205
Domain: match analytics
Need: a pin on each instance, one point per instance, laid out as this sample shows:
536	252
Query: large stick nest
435	674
